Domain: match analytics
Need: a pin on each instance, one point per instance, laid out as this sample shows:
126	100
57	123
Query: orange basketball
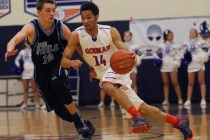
122	62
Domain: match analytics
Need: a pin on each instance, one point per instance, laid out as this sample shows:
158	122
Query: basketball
122	62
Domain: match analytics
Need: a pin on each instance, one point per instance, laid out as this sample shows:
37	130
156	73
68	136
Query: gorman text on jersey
97	50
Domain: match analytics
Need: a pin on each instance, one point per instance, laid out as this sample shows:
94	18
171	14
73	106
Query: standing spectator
132	47
27	75
171	59
194	47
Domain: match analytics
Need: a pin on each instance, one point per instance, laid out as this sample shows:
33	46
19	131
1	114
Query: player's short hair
165	34
40	3
129	33
90	6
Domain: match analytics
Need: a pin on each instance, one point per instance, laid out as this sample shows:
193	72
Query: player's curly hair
90	6
40	3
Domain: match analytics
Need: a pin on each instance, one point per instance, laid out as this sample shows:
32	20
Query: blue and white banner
66	9
5	7
147	32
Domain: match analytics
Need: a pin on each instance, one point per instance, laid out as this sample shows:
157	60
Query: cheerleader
132	47
171	59
199	57
27	75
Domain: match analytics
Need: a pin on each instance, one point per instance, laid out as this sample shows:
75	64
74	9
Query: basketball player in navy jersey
96	43
47	37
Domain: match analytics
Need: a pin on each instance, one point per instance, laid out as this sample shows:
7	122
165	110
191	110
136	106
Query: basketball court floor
34	124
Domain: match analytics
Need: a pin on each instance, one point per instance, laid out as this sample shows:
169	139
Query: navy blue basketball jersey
47	47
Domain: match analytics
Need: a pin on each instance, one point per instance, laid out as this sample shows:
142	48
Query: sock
171	119
134	112
77	120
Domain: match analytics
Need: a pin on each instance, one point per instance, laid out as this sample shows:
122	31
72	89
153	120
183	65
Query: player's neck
46	26
93	32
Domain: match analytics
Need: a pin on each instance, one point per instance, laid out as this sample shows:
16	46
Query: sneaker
188	107
85	131
187	103
23	106
101	104
203	102
180	102
112	104
183	125
140	125
43	107
165	102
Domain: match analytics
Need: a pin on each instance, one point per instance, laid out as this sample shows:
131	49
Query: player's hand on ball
134	56
76	64
122	61
10	53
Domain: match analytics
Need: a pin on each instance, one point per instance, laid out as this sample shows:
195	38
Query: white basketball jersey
97	51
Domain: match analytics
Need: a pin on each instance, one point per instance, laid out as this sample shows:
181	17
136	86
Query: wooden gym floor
34	124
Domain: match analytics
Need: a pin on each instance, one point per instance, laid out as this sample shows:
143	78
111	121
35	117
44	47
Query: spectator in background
171	59
27	75
132	47
199	57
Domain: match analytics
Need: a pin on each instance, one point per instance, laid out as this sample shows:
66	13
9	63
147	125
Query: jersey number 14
99	60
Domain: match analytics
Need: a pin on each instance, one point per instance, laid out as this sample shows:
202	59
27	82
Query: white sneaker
43	107
180	102
23	106
188	107
203	102
112	104
37	106
187	103
101	104
165	102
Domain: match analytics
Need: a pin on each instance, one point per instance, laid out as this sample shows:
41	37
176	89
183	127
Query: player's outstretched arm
73	42
20	36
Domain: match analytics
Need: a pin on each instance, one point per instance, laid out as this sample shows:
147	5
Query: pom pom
187	57
157	62
17	70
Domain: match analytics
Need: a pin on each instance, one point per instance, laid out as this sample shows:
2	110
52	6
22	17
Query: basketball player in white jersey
199	57
96	43
171	58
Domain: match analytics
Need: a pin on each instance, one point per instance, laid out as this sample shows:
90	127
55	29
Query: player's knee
59	87
109	88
